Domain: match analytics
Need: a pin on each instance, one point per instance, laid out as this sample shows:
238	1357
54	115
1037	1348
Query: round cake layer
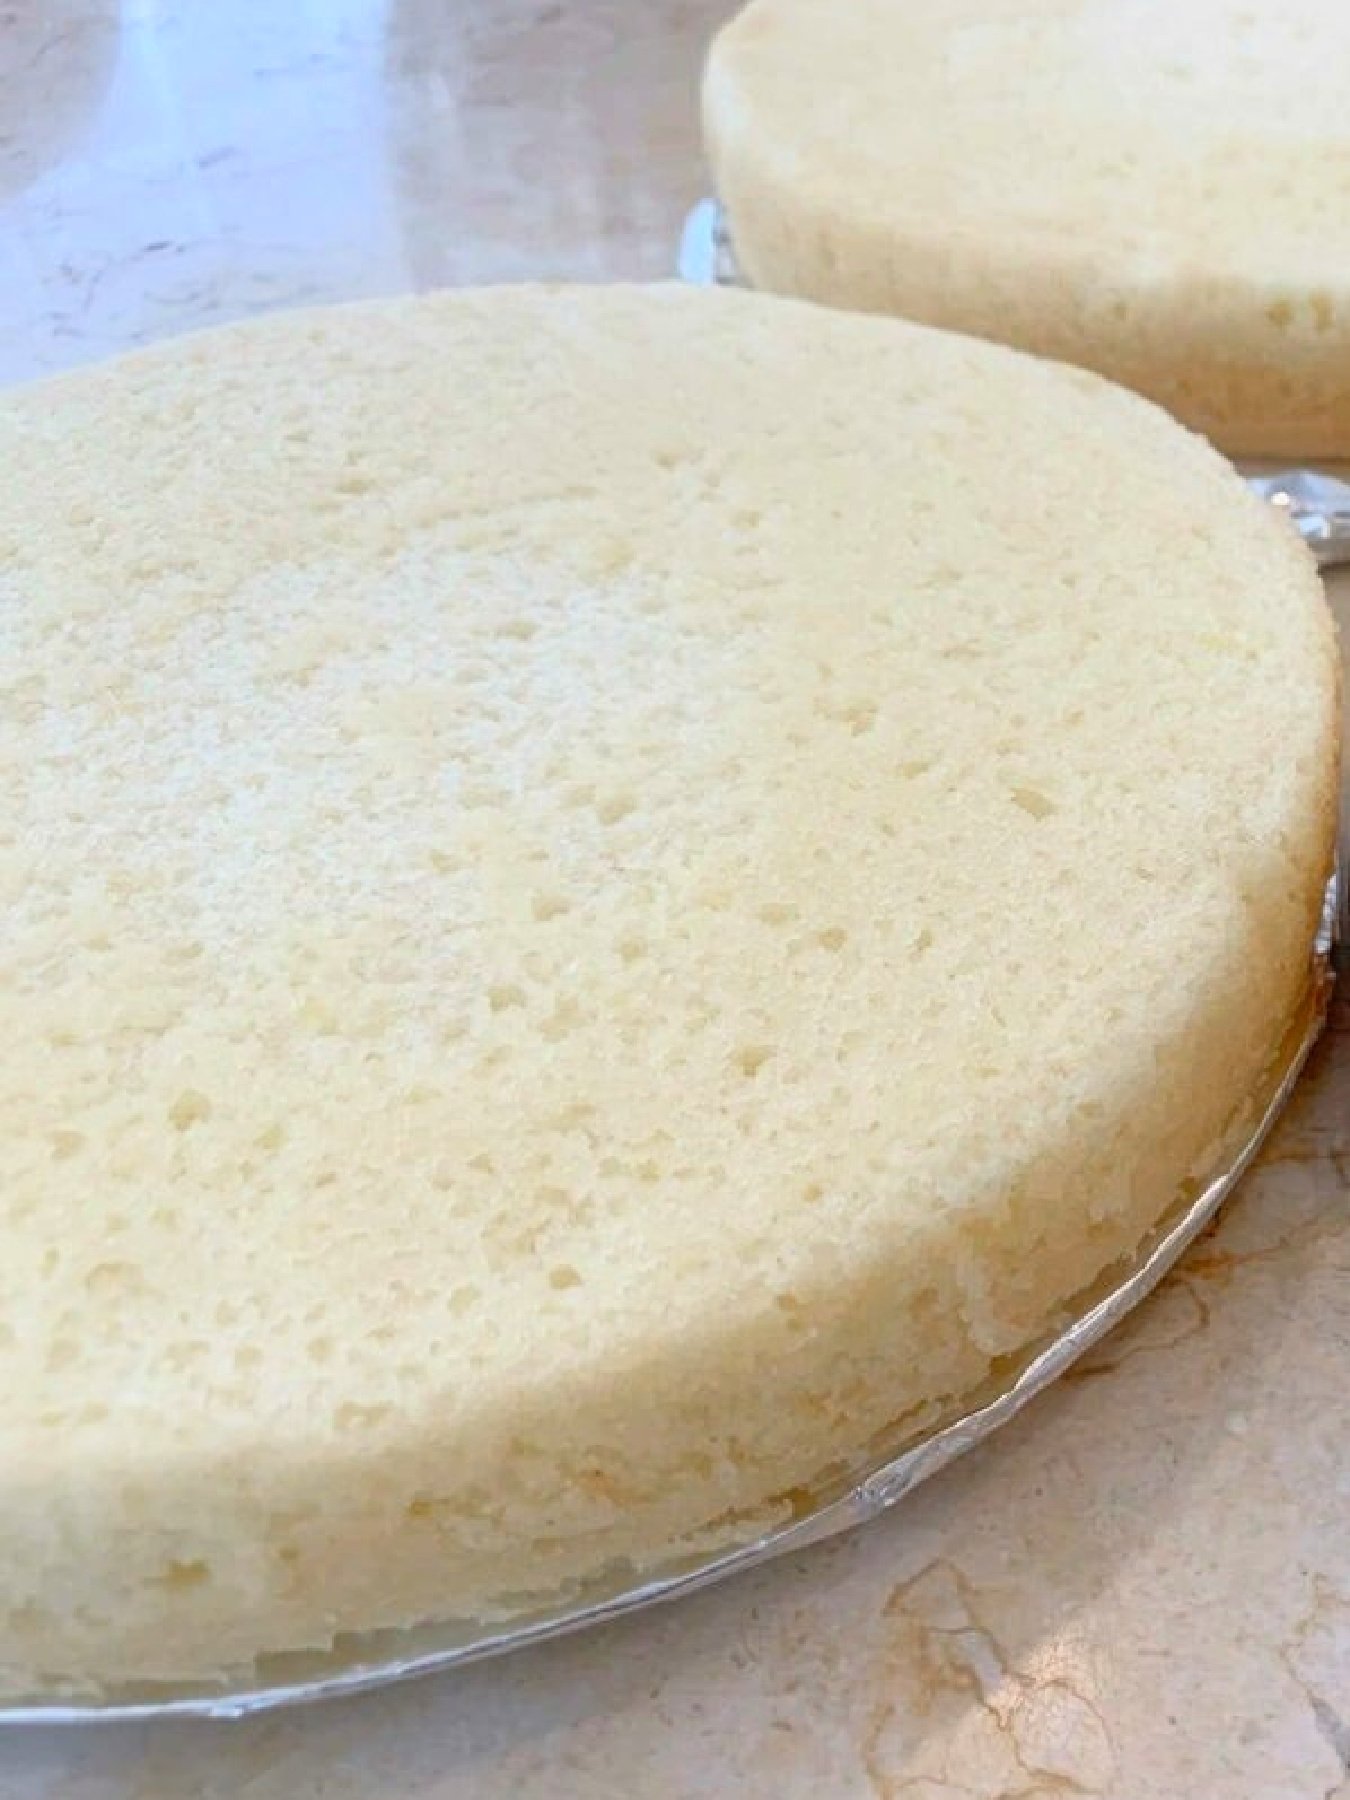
608	893
1146	188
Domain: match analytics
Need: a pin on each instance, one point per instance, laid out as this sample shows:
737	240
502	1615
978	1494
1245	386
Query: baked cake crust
1143	188
608	893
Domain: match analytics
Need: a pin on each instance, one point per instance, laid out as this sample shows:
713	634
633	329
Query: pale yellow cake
608	895
1156	189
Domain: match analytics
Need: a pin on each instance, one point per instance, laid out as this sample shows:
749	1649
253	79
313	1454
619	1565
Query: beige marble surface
1142	1588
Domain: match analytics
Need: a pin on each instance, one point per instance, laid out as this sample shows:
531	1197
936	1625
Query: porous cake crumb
1155	189
608	893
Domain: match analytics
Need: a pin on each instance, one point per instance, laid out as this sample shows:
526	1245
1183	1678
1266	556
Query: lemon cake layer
609	894
1150	189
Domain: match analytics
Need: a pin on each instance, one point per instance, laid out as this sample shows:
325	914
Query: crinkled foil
357	1663
1318	505
706	258
361	1662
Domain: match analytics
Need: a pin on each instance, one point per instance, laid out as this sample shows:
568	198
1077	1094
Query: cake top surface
540	817
1216	129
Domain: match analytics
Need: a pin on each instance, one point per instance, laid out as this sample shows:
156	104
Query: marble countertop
1141	1588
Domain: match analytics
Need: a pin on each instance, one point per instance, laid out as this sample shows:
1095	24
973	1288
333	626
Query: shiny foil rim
359	1663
